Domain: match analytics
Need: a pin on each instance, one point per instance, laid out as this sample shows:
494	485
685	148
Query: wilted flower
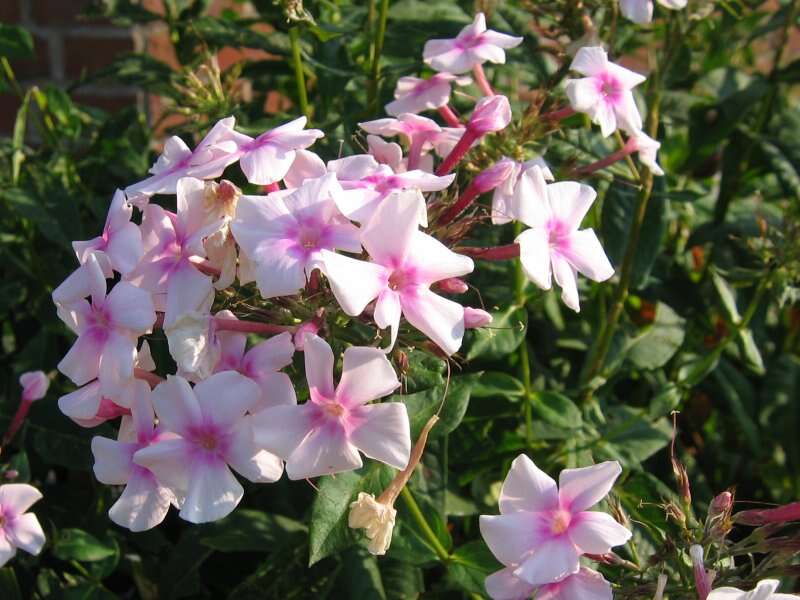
376	518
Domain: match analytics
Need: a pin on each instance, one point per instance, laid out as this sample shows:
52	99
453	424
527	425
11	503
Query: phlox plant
259	315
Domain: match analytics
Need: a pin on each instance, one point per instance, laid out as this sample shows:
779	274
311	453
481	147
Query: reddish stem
492	253
458	152
609	160
151	378
481	81
17	421
272	187
222	324
557	115
449	116
467	198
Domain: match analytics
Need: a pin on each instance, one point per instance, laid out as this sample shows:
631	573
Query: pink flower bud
758	517
494	176
701	579
34	385
311	327
491	113
475	318
721	503
453	285
11	474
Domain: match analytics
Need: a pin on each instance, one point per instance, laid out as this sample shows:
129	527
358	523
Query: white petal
250	461
176	405
534	254
112	460
280	429
18	497
384	433
570	201
225	397
590	60
319	365
213	493
442	320
387	237
355	283
580	489
511	537
584	251
528	488
323	452
366	375
433	261
143	504
567	279
554	560
597	533
26	533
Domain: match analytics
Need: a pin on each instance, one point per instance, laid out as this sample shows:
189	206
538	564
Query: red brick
87	53
57	12
9	11
37	67
9	104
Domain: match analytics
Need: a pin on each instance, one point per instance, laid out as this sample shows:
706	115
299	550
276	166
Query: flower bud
701	579
494	176
758	517
453	285
311	327
34	385
376	518
491	113
11	474
475	318
718	521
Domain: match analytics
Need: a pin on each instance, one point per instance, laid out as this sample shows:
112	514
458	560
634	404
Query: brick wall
67	49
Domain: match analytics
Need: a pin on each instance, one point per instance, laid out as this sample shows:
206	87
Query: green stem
631	165
375	73
417	515
299	75
524	358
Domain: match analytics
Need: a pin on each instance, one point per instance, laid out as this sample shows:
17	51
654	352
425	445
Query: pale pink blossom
107	327
261	363
415	95
283	236
34	385
543	529
605	94
119	247
324	435
503	197
216	151
474	45
267	158
173	242
212	433
144	501
765	590
641	11
647	148
554	246
386	153
586	584
417	132
405	263
19	529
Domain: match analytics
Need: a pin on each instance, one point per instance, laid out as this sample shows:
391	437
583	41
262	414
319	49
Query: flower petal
580	489
584	585
143	504
319	365
112	460
176	405
18	497
513	536
527	488
384	434
213	493
366	375
434	261
169	460
567	279
324	451
388	234
225	397
442	320
280	429
26	533
504	585
534	254
270	355
247	459
355	283
597	532
584	252
552	561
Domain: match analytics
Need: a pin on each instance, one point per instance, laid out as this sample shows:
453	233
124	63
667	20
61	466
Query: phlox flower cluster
183	251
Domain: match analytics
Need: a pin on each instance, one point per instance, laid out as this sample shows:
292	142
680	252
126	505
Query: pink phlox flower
324	434
306	165
144	501
213	433
605	93
119	247
766	589
543	529
34	385
218	149
89	406
172	242
267	158
641	11
261	363
647	148
391	154
491	114
405	263
554	244
283	236
474	45
18	528
586	584
414	130
503	196
107	327
415	95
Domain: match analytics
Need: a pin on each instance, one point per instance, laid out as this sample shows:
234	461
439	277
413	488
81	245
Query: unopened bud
475	318
494	176
311	327
34	385
701	580
781	514
491	113
718	521
453	285
11	474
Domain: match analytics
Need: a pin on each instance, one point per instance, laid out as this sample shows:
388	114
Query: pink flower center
333	409
308	237
398	280
557	233
610	88
561	521
209	440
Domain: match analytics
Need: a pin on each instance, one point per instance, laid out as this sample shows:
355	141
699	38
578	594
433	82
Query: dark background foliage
708	327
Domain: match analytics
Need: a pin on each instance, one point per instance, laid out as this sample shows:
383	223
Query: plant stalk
417	515
299	75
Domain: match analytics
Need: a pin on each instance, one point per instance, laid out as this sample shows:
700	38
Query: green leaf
423	405
21	465
328	530
76	544
470	565
631	438
501	337
15	42
400	580
359	576
249	530
557	409
659	341
18	138
496	383
9	587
